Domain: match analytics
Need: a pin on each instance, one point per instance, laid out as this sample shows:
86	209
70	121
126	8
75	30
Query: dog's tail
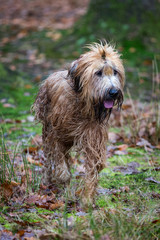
40	106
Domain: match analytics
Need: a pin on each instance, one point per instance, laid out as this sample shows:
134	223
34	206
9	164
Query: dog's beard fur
101	113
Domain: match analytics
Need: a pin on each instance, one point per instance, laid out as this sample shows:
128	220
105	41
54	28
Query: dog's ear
75	77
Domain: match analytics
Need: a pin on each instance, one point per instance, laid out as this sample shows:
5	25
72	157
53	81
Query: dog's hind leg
62	172
56	166
48	154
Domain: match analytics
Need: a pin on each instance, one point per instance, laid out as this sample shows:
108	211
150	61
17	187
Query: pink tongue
108	104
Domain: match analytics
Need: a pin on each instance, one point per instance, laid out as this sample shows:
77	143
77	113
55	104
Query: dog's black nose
113	92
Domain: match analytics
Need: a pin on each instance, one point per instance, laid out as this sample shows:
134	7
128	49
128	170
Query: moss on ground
31	217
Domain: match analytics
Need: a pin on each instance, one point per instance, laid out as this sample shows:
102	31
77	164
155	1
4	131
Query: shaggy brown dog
74	107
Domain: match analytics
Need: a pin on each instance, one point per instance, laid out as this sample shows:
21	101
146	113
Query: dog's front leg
91	179
95	161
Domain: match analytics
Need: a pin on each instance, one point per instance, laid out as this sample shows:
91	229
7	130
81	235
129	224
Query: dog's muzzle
113	92
113	97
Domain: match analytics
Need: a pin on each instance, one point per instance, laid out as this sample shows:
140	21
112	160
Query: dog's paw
62	174
87	202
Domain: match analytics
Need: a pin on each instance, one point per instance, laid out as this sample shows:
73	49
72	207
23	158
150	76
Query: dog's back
51	91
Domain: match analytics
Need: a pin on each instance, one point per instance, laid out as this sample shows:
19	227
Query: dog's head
98	79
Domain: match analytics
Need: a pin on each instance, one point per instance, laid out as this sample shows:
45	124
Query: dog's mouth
108	103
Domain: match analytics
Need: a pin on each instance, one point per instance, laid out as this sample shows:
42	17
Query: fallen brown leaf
156	221
32	198
56	205
6	234
28	86
37	140
7	189
147	62
32	161
78	192
30	149
122	147
126	106
21	232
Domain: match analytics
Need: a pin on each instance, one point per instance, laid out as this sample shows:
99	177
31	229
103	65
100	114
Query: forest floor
127	199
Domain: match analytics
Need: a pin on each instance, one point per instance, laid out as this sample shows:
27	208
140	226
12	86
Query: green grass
17	90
